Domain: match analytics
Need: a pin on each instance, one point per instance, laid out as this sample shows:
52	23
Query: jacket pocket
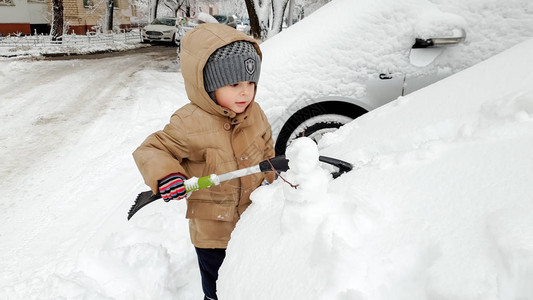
213	165
210	211
210	158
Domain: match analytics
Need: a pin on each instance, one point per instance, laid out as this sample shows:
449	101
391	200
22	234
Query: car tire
315	120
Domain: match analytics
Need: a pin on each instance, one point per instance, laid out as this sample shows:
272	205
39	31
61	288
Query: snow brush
276	164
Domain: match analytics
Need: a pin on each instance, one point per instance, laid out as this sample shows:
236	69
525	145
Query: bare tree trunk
57	20
290	12
171	5
278	12
110	9
255	29
261	12
155	10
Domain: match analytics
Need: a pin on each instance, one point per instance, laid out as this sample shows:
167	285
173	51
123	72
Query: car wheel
315	120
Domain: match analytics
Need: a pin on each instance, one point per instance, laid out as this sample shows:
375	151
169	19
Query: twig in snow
295	186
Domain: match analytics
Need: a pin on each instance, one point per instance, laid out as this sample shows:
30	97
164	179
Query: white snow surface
438	205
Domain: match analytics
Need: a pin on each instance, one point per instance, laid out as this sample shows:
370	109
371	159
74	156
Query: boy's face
236	96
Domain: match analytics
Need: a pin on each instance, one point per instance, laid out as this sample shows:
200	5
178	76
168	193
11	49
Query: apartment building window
6	2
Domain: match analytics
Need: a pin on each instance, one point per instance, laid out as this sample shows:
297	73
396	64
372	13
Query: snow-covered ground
438	206
68	180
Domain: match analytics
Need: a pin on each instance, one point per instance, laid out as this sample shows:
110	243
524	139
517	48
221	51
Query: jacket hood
197	45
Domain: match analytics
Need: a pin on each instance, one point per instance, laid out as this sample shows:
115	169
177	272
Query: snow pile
438	206
285	226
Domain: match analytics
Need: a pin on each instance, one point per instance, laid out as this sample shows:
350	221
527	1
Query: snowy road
51	116
73	123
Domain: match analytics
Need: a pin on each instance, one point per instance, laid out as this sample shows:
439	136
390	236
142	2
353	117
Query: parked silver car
160	30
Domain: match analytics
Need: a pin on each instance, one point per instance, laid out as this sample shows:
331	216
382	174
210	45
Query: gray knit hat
230	64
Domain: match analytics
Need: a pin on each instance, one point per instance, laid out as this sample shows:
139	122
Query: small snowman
310	179
304	172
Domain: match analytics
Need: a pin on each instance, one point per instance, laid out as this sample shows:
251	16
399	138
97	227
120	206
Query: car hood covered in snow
158	27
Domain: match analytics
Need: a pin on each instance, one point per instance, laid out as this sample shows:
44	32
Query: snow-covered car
243	25
316	78
160	30
226	20
206	18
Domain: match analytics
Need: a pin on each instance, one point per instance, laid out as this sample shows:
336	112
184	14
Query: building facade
23	16
80	16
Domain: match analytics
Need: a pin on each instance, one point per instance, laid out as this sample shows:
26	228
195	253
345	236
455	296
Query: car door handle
385	76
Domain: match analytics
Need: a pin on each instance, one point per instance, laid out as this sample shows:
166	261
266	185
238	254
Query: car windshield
168	22
221	18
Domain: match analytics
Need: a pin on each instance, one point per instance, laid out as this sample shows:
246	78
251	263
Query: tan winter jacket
204	138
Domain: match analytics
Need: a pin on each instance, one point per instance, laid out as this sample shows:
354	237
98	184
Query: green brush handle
194	184
278	164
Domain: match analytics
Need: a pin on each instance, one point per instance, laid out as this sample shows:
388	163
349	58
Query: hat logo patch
249	65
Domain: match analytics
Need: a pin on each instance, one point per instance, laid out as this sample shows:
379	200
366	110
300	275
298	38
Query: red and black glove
172	187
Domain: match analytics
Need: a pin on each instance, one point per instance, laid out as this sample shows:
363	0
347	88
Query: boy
222	129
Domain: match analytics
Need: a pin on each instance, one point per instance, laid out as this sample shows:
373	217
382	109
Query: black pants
210	261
